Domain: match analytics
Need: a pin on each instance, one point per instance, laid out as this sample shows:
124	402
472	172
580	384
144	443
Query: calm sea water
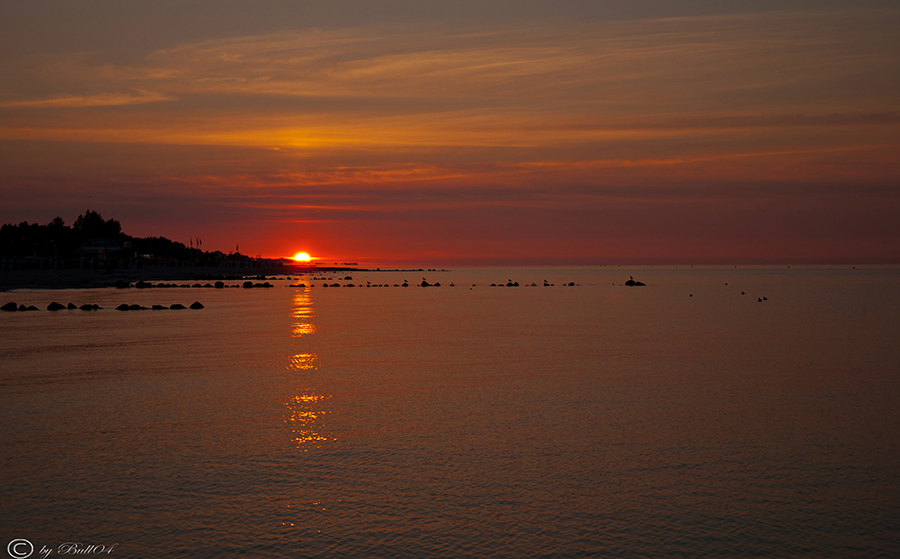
681	419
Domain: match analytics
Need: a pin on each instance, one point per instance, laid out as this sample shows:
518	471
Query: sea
713	412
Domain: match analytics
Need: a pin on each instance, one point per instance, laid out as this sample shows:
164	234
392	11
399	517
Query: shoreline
90	279
87	279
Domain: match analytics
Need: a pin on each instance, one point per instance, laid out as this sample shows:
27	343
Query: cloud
95	100
802	94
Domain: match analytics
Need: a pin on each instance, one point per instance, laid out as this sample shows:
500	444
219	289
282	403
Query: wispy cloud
94	100
805	95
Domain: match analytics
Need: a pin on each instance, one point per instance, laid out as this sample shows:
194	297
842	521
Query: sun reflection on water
306	409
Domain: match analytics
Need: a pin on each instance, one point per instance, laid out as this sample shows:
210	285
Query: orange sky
650	131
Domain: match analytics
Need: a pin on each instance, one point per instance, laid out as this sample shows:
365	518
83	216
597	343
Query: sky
506	132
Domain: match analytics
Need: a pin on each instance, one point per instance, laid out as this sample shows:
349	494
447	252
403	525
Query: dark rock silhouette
405	284
177	307
87	307
54	306
425	283
136	308
196	305
220	285
159	308
437	284
122	284
71	306
572	283
143	285
123	307
632	283
9	307
247	284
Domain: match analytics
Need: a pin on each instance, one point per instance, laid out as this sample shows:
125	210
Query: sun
302	257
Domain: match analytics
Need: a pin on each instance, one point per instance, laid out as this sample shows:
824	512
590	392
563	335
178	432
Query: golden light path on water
305	409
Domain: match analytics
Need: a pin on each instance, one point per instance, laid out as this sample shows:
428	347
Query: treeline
58	240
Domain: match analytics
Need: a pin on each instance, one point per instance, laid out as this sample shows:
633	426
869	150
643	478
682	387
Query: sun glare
302	257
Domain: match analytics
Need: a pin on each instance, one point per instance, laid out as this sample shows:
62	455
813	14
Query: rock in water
196	305
54	306
123	307
177	307
9	307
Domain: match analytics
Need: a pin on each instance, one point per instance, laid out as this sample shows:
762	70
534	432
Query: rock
248	284
122	284
54	306
159	308
630	283
136	308
348	278
86	307
71	306
220	285
9	307
425	284
177	307
196	305
143	285
123	307
31	308
437	284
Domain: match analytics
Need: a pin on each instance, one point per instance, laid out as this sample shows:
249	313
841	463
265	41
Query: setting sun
302	257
